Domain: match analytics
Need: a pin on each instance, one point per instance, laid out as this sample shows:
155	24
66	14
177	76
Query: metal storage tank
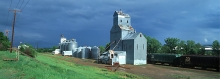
83	52
95	52
62	48
87	52
72	45
78	52
67	45
74	51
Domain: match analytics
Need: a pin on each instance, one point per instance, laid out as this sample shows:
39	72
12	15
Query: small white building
56	51
111	57
119	56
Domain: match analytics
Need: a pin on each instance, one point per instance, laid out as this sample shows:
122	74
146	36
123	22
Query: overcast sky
90	21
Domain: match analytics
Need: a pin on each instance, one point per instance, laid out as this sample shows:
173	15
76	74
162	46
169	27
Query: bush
28	50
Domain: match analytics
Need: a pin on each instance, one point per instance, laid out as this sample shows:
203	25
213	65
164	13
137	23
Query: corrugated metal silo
67	45
64	46
72	45
74	51
95	52
78	52
88	52
60	47
83	52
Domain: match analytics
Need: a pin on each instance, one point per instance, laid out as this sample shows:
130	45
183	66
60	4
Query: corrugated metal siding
140	53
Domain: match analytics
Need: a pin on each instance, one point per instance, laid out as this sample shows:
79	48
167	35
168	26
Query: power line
10	4
8	14
18	3
25	5
21	4
22	8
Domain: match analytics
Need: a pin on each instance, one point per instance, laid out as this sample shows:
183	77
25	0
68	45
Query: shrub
28	50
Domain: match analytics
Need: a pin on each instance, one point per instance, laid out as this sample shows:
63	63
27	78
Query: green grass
45	67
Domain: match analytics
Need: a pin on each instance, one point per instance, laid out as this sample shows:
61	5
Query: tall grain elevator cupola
121	27
121	18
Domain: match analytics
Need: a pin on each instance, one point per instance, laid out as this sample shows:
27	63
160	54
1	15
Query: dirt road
153	71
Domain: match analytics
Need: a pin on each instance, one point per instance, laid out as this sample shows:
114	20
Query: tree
202	51
171	43
153	45
4	42
190	44
216	47
1	45
102	49
198	49
164	49
181	47
54	47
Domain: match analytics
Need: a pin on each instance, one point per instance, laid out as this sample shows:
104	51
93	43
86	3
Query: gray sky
90	21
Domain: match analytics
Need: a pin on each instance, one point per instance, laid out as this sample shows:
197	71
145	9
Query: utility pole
12	36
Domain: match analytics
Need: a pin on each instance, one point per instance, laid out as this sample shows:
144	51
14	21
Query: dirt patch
150	70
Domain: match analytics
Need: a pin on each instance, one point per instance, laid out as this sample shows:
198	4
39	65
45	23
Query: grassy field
44	67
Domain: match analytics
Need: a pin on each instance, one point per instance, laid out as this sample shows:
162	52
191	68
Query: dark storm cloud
91	20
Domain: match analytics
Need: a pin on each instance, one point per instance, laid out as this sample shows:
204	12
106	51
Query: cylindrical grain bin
88	52
74	52
67	45
82	53
64	46
95	52
72	45
78	52
61	47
